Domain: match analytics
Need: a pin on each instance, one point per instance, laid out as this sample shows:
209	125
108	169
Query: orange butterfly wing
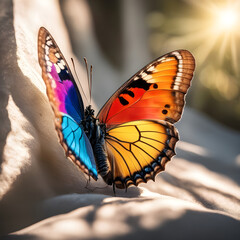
155	92
140	138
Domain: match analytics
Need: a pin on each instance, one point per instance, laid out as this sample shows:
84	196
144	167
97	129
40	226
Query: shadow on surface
8	65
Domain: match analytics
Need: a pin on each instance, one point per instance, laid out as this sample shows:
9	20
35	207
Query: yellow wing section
138	150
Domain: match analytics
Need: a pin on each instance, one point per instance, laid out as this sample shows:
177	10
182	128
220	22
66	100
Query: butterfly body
132	137
96	133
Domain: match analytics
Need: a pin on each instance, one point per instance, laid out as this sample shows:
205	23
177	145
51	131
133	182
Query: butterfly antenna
78	79
89	77
113	171
91	67
87	183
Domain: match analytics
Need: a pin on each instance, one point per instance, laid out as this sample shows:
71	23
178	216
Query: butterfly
132	137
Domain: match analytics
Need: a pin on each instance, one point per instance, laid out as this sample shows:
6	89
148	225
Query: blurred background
128	34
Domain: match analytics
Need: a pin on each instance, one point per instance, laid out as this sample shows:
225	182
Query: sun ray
223	46
234	54
205	49
217	29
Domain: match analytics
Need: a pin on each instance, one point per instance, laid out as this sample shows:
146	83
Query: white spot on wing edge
148	77
143	74
166	59
177	54
152	68
179	74
176	87
49	63
60	65
57	68
49	75
49	43
53	84
46	50
62	62
57	55
49	69
178	79
180	63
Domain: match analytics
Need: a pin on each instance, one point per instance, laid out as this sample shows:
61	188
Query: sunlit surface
205	183
199	189
238	160
17	145
192	148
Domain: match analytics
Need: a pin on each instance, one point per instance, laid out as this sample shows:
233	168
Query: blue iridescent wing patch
78	145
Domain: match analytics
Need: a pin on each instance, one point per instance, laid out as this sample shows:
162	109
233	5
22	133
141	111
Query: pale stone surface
43	195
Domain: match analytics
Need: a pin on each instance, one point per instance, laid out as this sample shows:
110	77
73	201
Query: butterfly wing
138	150
66	103
155	92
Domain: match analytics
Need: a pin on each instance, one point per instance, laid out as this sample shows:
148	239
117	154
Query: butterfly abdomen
96	134
102	162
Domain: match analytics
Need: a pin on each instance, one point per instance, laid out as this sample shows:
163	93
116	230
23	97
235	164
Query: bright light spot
238	160
16	152
146	193
189	147
227	19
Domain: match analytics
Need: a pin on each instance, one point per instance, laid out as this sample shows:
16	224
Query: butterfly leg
114	189
88	182
113	170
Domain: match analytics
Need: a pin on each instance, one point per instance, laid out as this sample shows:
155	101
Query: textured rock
196	197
